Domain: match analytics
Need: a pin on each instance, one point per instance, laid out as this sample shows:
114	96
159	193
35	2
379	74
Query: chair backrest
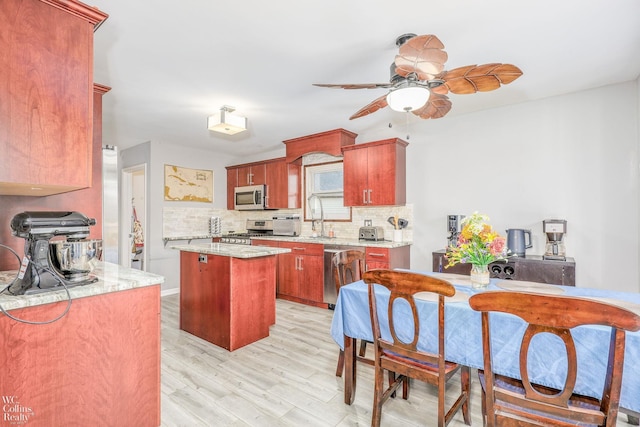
556	315
348	267
403	287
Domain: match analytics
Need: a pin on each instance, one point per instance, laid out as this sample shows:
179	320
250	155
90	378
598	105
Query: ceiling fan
419	83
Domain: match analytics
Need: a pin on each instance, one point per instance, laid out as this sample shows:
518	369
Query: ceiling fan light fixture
408	98
227	123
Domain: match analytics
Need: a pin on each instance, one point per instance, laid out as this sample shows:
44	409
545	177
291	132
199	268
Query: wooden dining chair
348	267
401	357
510	402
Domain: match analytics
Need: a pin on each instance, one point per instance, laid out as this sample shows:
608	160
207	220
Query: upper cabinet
281	179
251	175
375	173
46	88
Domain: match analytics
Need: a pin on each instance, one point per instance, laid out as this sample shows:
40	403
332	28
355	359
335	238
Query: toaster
371	233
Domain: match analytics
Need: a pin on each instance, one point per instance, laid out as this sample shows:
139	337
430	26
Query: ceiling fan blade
372	107
477	78
422	55
355	86
436	107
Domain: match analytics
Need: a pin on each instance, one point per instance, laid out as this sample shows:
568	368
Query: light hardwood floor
287	379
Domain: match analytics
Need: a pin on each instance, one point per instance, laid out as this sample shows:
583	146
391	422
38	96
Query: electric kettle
516	241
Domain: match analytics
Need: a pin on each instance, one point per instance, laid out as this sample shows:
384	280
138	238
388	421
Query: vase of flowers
478	245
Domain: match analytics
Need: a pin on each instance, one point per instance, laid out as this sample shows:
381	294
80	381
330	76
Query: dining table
463	335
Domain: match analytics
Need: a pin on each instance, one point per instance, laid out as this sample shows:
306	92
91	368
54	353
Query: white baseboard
171	291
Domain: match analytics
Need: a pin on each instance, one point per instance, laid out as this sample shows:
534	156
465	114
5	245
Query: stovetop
243	238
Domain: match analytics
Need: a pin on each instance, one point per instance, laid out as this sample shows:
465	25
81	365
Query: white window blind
326	182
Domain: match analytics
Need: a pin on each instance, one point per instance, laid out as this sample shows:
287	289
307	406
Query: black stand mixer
51	265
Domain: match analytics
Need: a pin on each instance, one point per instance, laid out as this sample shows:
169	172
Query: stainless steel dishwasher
330	295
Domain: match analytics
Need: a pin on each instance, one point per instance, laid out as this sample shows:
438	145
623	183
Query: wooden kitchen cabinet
532	268
387	258
301	273
253	174
227	301
99	365
46	88
375	173
281	180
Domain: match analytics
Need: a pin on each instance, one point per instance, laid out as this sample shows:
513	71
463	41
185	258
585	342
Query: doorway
133	218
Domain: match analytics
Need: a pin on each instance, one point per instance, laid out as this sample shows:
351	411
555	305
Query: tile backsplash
184	222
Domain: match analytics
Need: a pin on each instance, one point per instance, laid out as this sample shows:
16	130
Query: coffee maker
56	252
554	229
454	227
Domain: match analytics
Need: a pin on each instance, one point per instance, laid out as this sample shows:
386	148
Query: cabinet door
277	184
355	177
376	258
232	183
311	280
381	175
46	87
288	274
251	175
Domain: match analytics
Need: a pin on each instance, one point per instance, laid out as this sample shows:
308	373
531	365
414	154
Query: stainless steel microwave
249	198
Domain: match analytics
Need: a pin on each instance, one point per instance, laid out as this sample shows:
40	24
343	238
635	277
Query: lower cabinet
387	258
301	272
532	268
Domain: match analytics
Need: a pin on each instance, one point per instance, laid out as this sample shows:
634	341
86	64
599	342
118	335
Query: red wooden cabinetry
282	182
98	365
227	301
46	88
375	173
301	273
387	258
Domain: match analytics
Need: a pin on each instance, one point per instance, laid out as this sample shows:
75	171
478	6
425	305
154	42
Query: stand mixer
554	229
53	264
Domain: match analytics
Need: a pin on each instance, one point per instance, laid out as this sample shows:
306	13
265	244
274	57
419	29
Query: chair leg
378	393
465	379
363	348
340	367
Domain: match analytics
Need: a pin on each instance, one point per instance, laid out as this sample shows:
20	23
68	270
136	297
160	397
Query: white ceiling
171	64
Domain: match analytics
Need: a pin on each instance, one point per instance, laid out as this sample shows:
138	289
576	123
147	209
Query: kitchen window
326	182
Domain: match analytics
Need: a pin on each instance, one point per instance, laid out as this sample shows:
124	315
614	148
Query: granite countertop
231	250
111	278
337	241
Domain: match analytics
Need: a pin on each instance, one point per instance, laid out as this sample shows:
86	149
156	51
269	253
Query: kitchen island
97	364
227	292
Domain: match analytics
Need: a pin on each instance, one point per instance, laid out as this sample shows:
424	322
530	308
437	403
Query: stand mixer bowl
75	259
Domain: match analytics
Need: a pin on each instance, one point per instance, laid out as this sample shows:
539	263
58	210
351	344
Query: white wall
573	157
161	259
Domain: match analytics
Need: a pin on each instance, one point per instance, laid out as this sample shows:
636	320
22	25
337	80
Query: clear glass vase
479	276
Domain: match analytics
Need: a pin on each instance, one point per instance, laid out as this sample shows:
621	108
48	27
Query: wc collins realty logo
13	412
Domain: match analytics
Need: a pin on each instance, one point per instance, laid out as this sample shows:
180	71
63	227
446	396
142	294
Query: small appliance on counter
371	233
287	225
554	229
518	241
48	264
454	227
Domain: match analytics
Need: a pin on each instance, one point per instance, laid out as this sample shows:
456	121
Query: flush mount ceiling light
227	123
408	97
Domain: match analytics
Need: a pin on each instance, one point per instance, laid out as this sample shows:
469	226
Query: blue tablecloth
464	338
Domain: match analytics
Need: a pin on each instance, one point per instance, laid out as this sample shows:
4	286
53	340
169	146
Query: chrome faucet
313	221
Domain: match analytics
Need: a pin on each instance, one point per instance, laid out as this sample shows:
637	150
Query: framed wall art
188	185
